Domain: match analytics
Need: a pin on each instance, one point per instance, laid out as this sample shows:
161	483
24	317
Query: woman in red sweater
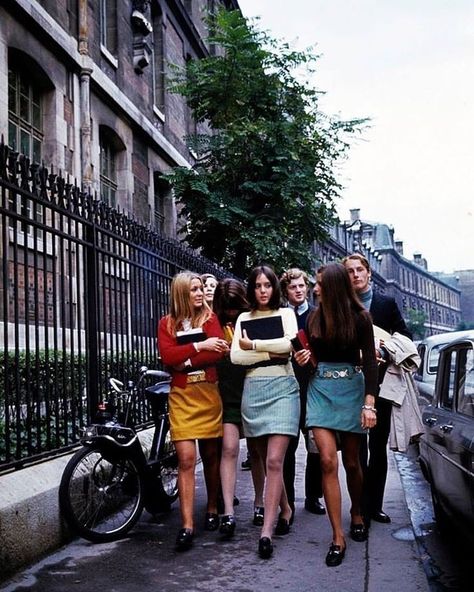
191	341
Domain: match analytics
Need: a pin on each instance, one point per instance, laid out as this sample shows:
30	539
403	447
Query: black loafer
184	540
227	526
258	515
335	555
359	532
282	526
315	507
211	521
265	548
381	517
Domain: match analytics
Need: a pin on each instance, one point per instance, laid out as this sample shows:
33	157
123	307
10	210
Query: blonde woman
191	341
209	283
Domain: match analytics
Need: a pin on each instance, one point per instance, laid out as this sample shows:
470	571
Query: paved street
388	562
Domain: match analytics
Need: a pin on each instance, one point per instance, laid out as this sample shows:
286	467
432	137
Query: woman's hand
302	357
368	415
213	344
244	342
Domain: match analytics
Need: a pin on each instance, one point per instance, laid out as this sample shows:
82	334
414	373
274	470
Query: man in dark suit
295	285
386	315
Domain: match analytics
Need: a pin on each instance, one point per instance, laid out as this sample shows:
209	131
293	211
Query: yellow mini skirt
195	412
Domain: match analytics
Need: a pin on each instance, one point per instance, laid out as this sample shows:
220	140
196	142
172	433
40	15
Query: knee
274	464
328	464
186	462
352	466
230	452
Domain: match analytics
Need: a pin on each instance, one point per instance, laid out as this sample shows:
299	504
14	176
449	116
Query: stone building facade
83	88
415	289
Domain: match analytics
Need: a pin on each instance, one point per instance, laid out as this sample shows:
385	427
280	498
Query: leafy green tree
416	323
263	185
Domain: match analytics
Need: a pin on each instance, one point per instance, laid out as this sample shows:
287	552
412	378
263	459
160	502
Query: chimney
399	247
419	260
355	214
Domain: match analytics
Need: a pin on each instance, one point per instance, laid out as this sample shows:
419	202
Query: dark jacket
386	315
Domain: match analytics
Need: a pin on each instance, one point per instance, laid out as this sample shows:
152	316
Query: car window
466	383
421	353
434	357
446	396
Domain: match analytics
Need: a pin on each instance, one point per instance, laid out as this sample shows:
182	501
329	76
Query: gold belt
196	377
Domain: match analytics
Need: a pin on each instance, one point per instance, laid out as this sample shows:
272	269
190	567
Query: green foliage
416	323
263	186
464	326
44	400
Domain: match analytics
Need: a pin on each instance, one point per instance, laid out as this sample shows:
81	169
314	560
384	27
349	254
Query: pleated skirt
270	405
335	403
195	412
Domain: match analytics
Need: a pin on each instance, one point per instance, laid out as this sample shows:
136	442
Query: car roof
445	338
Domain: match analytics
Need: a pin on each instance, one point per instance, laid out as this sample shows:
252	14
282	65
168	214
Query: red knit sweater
173	354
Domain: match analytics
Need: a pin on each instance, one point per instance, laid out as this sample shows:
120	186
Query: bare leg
257	467
210	450
186	451
228	468
326	443
350	459
275	454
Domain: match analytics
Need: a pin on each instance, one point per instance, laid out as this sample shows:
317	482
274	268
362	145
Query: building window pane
108	177
25	117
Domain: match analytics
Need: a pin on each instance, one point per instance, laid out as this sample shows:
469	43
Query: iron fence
81	291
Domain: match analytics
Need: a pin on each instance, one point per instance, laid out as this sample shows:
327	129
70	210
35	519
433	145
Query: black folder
191	336
263	328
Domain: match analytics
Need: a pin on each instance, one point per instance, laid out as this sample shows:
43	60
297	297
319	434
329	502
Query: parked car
447	446
429	349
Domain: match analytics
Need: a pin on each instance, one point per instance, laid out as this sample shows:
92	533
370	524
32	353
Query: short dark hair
275	300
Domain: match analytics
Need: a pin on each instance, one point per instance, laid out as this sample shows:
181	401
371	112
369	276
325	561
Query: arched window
25	114
108	172
112	166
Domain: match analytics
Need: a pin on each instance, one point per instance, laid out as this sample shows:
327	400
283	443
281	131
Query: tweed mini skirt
335	403
270	405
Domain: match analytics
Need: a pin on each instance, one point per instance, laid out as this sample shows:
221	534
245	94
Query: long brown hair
335	318
180	303
275	300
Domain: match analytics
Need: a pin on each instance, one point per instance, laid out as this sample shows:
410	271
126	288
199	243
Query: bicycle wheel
100	500
168	475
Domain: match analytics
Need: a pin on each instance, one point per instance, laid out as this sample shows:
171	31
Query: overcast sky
409	66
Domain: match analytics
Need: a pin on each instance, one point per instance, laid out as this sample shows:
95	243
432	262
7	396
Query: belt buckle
192	378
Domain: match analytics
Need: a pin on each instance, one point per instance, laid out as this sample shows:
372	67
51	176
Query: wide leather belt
196	377
343	373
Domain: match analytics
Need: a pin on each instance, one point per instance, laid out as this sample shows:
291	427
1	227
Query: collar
366	297
301	308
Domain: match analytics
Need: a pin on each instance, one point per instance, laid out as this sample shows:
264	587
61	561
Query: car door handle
430	420
446	428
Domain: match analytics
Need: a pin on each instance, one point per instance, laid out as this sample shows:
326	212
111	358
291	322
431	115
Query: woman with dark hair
270	399
229	301
340	394
195	406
